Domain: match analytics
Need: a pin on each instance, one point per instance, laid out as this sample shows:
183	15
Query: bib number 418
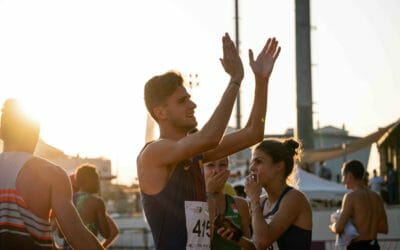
202	228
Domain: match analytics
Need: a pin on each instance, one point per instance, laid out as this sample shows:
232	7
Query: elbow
106	234
255	134
211	142
259	137
262	244
114	233
338	229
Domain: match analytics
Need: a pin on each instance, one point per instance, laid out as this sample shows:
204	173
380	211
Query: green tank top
79	199
231	212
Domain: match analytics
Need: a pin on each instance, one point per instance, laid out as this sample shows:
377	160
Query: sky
80	66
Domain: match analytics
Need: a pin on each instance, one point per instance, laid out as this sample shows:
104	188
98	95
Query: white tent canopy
313	187
317	188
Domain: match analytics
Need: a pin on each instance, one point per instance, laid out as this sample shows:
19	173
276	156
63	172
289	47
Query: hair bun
292	145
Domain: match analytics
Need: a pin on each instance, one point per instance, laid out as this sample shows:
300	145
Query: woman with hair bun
285	216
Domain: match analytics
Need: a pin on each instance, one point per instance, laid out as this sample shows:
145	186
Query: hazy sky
80	66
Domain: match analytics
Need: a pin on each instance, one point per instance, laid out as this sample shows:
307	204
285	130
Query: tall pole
304	130
238	112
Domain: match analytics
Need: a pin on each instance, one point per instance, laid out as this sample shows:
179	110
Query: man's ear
160	113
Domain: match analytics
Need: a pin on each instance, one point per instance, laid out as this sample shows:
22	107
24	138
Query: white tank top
18	225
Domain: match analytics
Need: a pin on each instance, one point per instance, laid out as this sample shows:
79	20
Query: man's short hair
85	172
16	126
159	88
355	167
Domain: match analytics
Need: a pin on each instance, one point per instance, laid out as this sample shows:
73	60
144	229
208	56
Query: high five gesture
264	63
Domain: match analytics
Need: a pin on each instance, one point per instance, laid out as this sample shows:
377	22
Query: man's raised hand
264	63
231	60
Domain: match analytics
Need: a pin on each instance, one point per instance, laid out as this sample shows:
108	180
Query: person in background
285	216
232	208
91	208
392	184
376	182
32	187
363	207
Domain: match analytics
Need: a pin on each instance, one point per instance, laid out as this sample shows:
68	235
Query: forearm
246	243
216	125
260	227
256	122
114	231
212	211
77	235
110	240
81	238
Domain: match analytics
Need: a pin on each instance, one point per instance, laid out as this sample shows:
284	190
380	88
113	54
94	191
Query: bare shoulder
296	195
294	198
376	197
153	149
44	168
98	201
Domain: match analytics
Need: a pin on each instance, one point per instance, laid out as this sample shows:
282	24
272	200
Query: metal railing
134	238
385	244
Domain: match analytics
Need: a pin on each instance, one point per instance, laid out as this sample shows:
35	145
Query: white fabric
376	184
349	233
10	165
197	225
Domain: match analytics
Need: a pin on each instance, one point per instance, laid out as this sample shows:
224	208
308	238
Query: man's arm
345	215
102	218
210	135
253	132
114	231
245	219
67	217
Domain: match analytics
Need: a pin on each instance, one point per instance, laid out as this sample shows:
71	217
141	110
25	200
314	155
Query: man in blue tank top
170	178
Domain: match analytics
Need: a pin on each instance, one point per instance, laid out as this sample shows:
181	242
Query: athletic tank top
165	211
231	212
294	237
19	227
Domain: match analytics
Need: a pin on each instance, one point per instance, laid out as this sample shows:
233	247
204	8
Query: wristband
211	195
254	207
235	82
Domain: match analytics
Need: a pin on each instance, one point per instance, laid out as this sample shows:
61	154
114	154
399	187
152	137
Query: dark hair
285	151
389	165
159	88
355	167
84	173
17	127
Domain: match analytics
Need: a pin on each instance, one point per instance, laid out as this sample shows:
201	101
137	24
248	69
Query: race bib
197	225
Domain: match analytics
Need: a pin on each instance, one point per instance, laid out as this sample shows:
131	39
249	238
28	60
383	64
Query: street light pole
238	111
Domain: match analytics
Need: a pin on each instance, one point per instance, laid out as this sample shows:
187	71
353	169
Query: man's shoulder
44	167
96	200
361	195
38	161
148	150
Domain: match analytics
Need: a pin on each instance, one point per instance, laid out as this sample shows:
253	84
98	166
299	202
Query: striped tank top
19	227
